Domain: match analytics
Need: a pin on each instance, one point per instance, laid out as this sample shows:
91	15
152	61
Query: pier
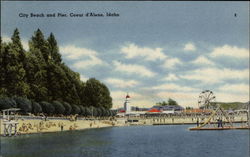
10	123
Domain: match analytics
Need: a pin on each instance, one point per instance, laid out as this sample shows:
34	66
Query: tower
127	104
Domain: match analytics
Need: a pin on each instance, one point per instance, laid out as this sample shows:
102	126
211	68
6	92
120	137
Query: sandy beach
28	125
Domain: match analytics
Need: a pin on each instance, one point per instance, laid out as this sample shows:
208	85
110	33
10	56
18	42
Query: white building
127	107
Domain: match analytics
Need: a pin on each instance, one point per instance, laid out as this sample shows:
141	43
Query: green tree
36	108
54	50
47	108
72	86
75	109
40	75
59	108
172	102
6	103
67	107
164	103
38	42
24	104
37	68
13	80
97	94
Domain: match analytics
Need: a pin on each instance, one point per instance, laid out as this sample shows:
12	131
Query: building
127	107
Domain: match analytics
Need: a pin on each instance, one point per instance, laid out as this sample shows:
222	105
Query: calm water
136	141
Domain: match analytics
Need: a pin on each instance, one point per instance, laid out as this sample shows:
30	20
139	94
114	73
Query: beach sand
27	126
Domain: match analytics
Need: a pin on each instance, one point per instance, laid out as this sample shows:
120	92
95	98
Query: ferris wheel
206	99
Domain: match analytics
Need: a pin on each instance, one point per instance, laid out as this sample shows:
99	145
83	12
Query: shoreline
53	125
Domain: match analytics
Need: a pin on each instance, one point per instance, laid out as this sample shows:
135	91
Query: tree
13	74
75	109
17	45
59	108
24	104
54	50
82	110
47	108
3	86
36	108
38	42
40	75
164	103
6	103
172	102
37	67
68	108
72	86
97	94
189	108
87	111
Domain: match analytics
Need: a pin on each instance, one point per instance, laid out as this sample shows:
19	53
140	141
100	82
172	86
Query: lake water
134	141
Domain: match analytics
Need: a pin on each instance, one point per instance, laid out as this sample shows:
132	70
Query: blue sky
153	50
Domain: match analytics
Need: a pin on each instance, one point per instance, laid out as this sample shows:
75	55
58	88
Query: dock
223	128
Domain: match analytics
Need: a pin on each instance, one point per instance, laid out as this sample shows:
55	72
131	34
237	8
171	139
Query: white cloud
133	69
235	88
171	77
230	51
215	75
121	83
24	42
189	47
201	60
87	63
133	51
174	87
72	52
83	78
6	39
85	57
171	63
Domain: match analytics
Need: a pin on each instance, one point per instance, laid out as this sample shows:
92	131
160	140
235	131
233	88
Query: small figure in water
218	122
197	123
221	123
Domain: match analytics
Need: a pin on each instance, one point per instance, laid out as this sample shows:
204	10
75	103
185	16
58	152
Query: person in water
197	123
218	122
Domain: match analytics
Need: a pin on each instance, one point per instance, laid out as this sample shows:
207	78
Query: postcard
124	79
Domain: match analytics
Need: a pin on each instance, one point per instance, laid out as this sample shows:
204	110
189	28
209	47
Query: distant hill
233	105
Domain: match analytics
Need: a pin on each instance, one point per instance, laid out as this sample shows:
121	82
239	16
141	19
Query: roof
154	110
122	111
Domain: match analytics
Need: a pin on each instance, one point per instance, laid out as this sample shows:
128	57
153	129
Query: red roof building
154	110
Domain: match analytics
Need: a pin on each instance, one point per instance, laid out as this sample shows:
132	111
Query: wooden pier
226	125
223	128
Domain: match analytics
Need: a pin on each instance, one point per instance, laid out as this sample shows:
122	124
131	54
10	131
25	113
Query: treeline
40	77
54	108
170	102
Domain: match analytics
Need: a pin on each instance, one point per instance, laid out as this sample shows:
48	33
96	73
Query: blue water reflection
135	141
